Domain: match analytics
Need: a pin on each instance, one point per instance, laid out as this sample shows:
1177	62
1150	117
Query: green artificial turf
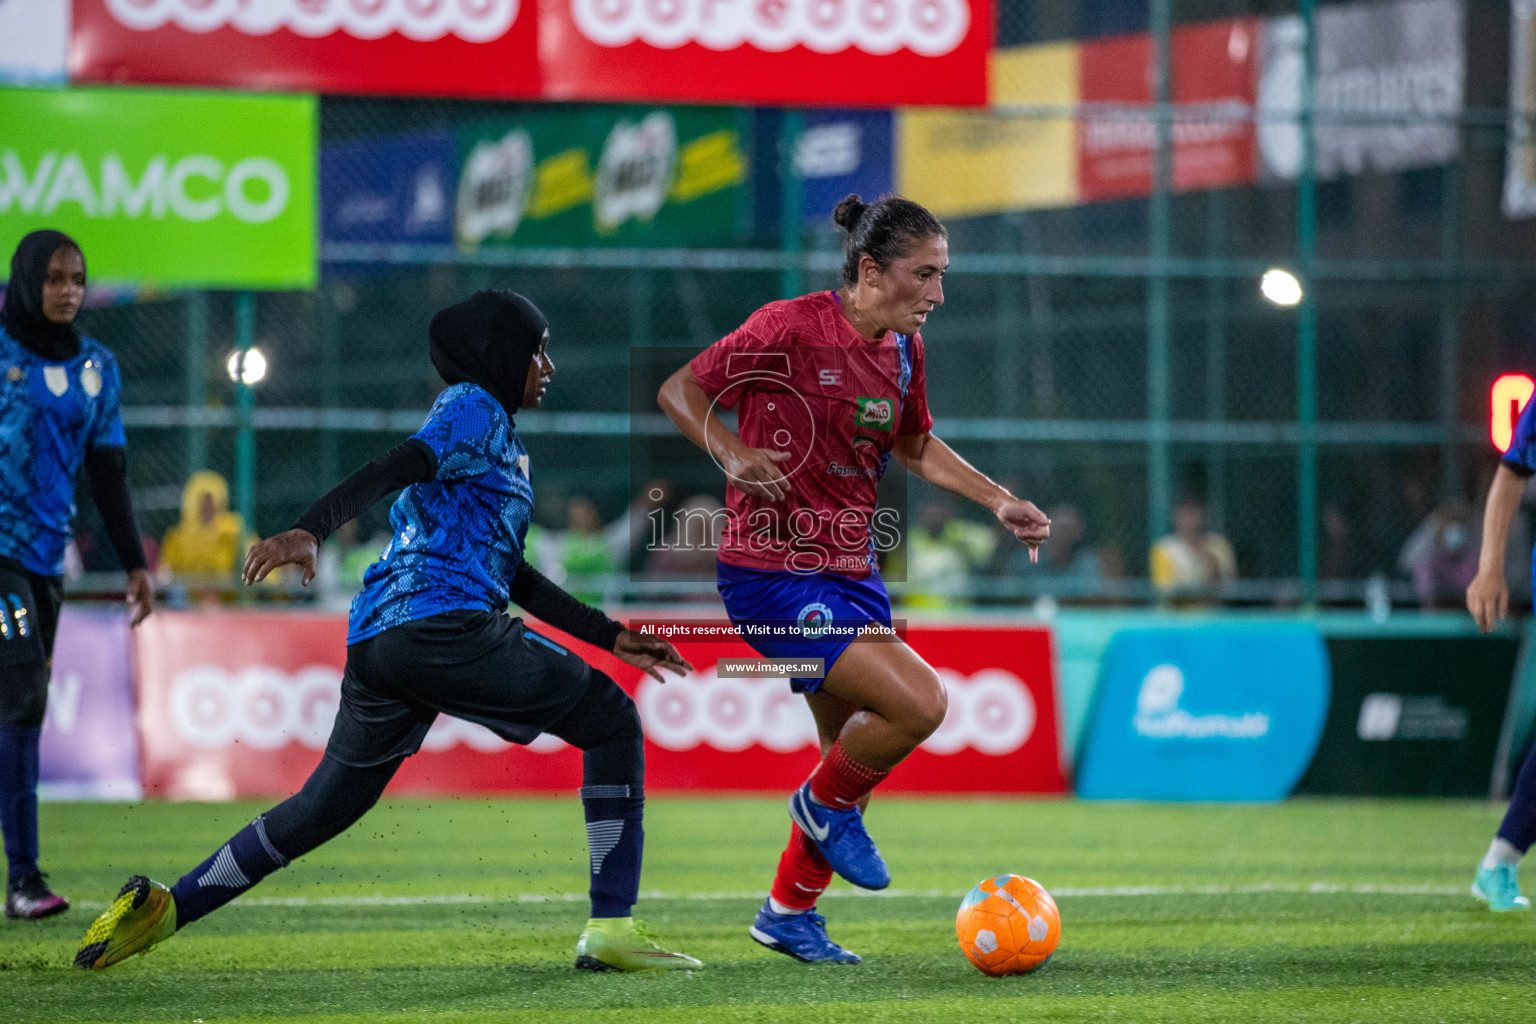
1311	911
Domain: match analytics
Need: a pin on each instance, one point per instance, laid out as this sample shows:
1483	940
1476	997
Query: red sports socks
841	782
803	873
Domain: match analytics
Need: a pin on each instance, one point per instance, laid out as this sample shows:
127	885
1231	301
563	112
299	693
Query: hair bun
848	212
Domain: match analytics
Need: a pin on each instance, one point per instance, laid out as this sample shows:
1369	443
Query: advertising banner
1520	150
1208	713
1413	716
165	188
34	36
843	151
802	52
1389	88
409	47
1214	69
393	191
968	163
235	705
602	175
90	749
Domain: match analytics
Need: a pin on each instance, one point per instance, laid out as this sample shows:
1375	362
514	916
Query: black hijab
23	311
489	339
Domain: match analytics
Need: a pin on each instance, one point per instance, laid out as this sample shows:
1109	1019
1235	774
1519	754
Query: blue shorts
794	607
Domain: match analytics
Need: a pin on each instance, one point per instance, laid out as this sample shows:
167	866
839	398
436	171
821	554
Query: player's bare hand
1488	600
650	654
292	547
140	595
756	471
1027	523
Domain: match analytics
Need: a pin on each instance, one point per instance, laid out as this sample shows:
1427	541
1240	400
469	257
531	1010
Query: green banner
603	175
165	188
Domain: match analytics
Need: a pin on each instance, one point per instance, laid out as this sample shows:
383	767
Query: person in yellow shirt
1189	566
206	542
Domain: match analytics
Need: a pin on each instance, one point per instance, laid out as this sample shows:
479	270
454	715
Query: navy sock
1519	825
615	842
239	864
18	799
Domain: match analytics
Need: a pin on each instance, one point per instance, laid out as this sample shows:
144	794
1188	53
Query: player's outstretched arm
410	462
754	471
936	462
1488	595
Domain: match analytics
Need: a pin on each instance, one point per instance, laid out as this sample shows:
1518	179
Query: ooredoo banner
165	187
416	47
810	52
235	705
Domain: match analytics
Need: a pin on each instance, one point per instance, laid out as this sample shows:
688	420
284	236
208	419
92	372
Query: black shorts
483	667
29	616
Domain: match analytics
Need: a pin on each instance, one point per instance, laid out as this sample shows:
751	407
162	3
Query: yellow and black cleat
142	916
624	944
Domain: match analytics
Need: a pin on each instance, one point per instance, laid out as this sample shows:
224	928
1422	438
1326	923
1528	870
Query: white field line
1065	892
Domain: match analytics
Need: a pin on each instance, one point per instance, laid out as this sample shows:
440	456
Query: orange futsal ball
1008	925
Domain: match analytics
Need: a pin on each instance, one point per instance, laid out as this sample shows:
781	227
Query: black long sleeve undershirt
106	467
410	462
542	597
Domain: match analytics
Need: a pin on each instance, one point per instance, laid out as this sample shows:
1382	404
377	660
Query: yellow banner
962	163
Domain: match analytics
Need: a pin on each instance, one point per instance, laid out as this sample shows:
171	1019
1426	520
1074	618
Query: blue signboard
1207	713
843	151
397	190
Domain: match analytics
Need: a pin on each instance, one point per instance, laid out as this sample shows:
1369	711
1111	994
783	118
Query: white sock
1500	851
779	908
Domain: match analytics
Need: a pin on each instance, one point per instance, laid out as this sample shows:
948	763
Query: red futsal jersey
805	382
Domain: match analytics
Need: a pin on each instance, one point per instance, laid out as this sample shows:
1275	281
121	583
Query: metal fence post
1216	359
245	435
1306	321
791	240
1450	330
1159	470
195	378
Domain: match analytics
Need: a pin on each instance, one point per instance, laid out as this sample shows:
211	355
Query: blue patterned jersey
51	413
458	538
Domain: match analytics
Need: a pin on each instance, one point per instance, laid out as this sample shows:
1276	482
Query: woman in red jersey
827	387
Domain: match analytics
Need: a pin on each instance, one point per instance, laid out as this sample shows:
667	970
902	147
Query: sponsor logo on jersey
830	378
877	413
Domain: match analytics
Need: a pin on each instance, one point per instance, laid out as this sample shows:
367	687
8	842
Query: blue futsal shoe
841	838
1499	887
802	936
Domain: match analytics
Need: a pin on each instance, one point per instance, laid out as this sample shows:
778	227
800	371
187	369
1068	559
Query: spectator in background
1339	557
584	550
203	547
1190	565
944	549
1067	567
690	542
1448	562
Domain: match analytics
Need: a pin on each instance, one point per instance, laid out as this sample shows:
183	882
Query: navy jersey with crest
458	538
51	414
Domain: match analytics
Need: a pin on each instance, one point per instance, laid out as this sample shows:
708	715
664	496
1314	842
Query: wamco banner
165	188
603	175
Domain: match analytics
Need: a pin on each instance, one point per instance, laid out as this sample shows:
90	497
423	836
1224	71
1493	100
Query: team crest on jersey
15	374
56	379
814	620
90	379
875	413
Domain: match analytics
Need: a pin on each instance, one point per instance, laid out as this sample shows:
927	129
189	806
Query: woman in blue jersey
429	634
58	410
1497	881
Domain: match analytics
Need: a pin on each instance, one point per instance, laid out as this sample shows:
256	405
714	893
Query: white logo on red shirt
476	21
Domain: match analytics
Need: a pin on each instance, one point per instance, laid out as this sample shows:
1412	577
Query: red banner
809	52
235	705
1214	78
409	47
